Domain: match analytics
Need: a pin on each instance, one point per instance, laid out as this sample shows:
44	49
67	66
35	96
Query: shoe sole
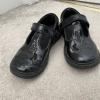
82	65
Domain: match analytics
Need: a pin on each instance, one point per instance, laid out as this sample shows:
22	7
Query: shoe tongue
76	33
41	38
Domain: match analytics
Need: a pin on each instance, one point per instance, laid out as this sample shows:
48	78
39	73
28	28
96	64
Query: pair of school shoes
79	49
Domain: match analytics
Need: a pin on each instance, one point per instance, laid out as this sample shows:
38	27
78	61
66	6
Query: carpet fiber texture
59	81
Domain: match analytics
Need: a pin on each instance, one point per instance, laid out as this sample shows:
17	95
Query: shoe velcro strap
42	27
35	26
74	18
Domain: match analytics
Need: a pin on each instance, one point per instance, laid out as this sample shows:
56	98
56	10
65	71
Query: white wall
29	1
6	5
93	1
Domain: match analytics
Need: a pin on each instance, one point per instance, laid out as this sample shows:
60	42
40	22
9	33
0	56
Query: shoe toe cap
24	68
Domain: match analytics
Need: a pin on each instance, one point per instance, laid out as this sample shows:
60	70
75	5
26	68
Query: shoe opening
49	20
68	12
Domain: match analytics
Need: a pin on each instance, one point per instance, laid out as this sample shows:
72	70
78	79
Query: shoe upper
78	44
34	53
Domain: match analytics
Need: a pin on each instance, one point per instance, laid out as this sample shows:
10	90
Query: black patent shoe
80	51
32	57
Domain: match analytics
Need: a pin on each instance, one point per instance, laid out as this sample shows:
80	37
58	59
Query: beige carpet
59	81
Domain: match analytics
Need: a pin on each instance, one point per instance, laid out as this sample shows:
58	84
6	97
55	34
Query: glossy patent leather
32	58
80	51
